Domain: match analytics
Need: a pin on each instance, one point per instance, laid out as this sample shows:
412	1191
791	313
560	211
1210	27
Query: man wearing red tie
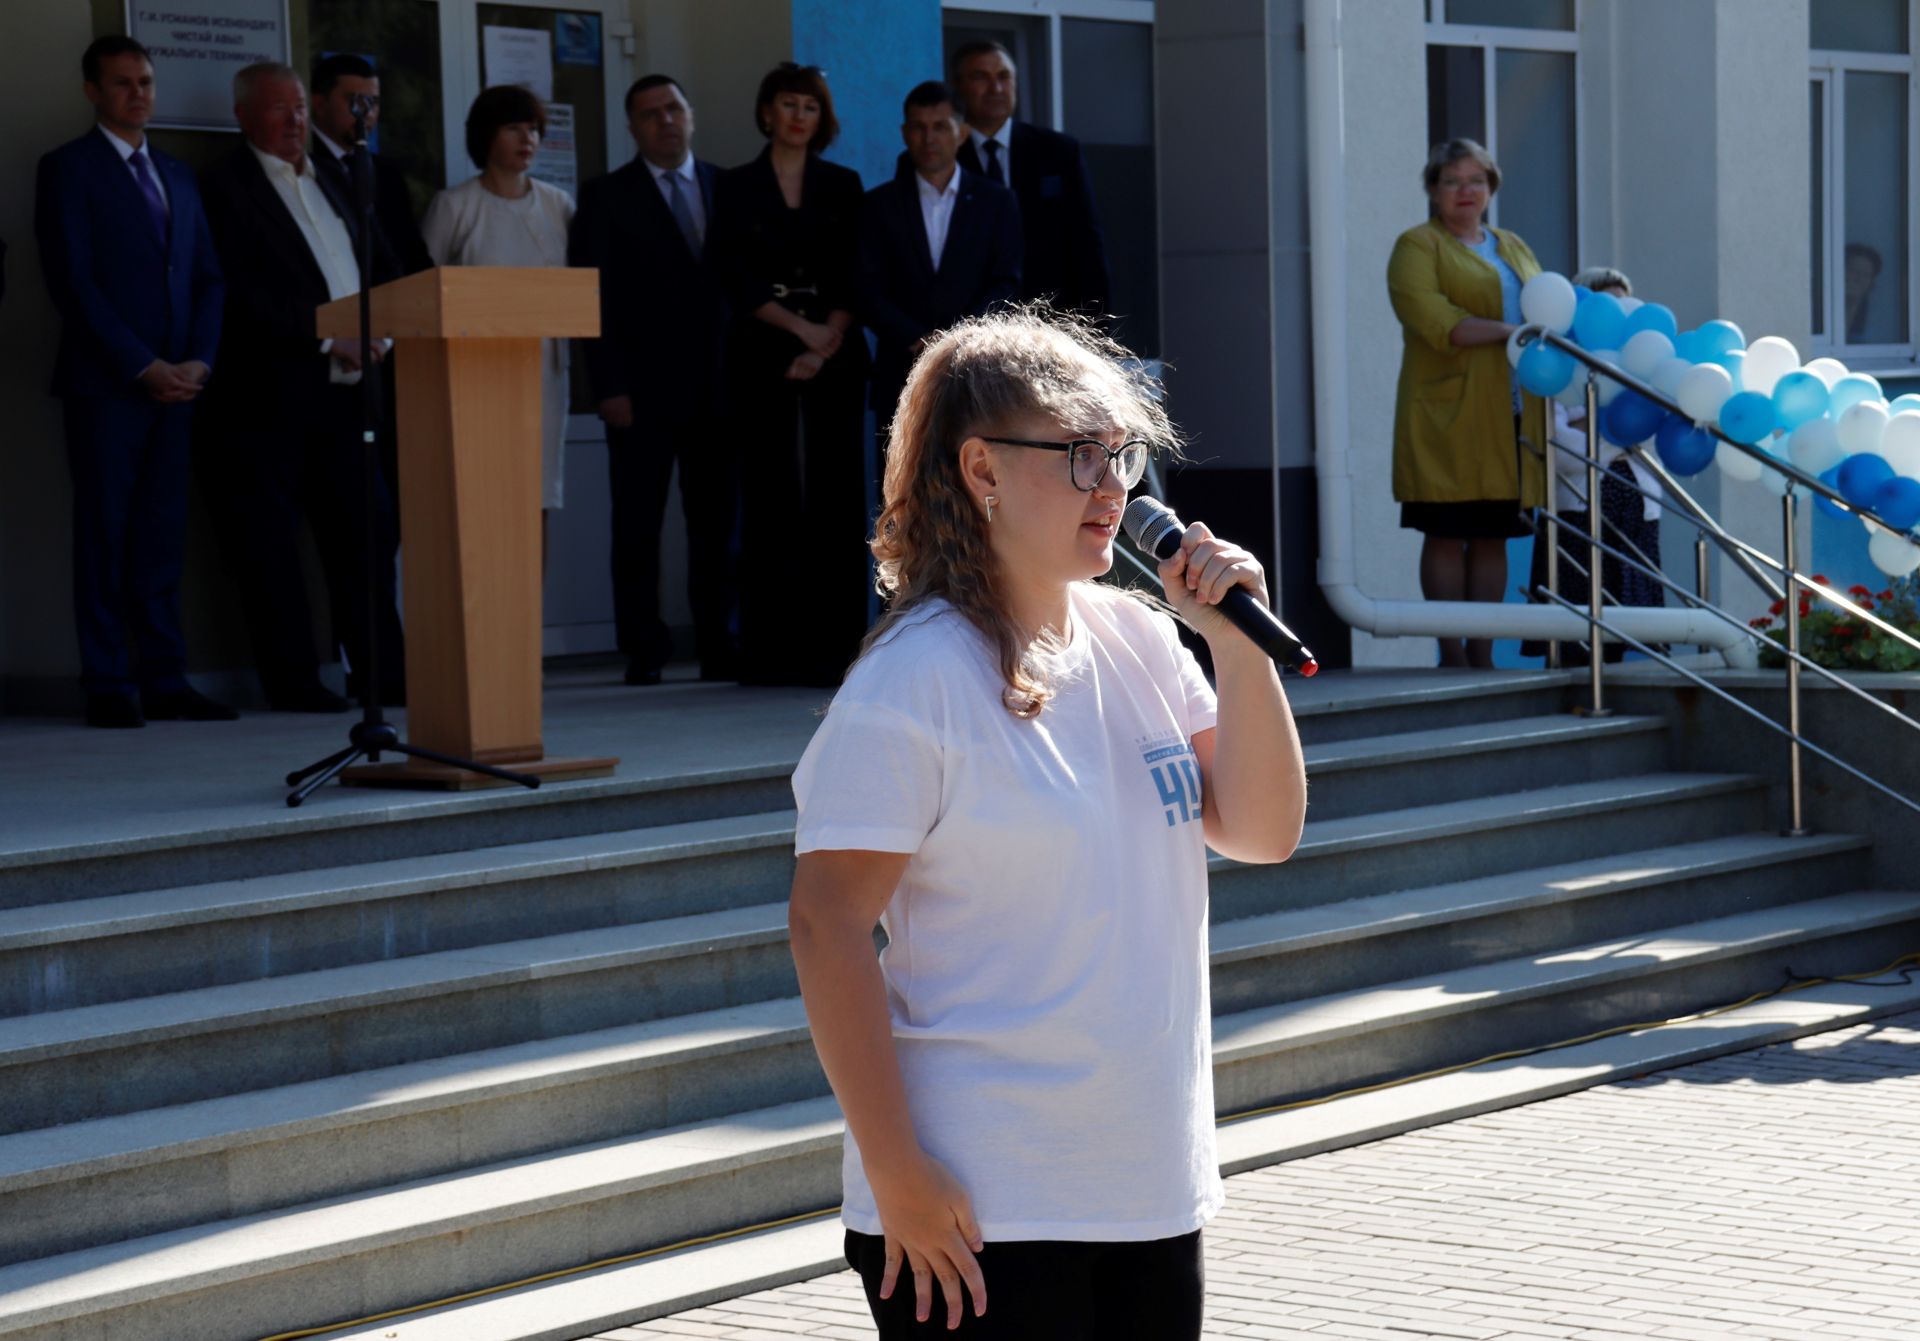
130	264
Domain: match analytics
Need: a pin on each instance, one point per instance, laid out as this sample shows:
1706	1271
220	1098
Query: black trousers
640	463
803	453
1048	1290
264	480
130	458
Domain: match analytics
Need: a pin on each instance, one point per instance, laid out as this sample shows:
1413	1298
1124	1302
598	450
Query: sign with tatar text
198	46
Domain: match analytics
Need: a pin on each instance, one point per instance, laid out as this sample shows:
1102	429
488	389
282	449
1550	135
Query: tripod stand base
425	774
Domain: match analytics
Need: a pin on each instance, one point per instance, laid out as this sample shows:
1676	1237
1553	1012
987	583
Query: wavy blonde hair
982	377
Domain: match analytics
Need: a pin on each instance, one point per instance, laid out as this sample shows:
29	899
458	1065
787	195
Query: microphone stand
373	733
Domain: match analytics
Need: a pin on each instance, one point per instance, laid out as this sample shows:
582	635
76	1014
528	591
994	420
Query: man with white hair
280	440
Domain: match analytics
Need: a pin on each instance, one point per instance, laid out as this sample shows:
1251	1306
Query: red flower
1759	623
1778	607
1886	595
1858	591
1821	579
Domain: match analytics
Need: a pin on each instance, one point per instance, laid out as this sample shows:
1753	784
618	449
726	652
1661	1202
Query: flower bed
1838	640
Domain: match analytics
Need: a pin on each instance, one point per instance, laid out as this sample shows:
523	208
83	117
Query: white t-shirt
1047	961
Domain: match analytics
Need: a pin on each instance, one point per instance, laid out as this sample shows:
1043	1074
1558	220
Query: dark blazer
663	313
125	295
902	296
271	366
392	205
760	242
1066	259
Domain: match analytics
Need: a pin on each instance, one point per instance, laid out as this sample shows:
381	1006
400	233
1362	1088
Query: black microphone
1151	525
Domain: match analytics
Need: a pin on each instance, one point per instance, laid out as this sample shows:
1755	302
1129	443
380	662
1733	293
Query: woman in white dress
505	216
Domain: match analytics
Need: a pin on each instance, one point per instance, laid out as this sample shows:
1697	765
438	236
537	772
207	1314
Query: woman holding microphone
1020	779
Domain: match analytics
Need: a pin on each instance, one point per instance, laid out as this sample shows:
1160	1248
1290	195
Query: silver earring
990	500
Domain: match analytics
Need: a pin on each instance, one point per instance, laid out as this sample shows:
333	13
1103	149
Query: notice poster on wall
556	163
522	56
197	47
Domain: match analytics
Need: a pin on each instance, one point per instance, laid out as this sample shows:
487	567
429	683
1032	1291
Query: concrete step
1329	1044
244	1154
1452	840
82	953
762	746
237	1279
659	1287
1290	956
125	1056
1373	773
58	956
150	1171
95	1061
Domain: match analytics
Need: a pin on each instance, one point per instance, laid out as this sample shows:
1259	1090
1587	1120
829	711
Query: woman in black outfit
797	369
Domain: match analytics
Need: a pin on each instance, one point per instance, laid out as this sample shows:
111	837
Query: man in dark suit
937	243
337	81
131	267
655	372
280	439
1066	260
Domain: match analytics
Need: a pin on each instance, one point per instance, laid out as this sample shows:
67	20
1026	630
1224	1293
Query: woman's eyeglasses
1089	459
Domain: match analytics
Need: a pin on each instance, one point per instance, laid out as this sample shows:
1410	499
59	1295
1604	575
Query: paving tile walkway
1769	1194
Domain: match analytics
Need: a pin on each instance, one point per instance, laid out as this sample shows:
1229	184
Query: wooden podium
467	351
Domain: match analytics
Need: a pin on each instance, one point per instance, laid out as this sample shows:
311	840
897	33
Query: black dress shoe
185	705
312	698
114	710
637	674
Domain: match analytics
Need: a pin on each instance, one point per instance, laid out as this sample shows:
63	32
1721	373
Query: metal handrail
1735	621
1798	741
1737	549
1528	334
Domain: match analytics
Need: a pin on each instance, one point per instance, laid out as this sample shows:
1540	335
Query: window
1504	72
1860	108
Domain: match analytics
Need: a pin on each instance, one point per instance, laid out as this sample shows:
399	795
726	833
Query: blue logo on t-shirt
1177	778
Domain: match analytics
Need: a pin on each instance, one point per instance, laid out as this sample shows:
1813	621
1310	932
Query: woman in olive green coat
1459	472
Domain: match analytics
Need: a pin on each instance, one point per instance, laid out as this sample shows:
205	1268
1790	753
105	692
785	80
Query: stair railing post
1597	707
1553	562
1796	817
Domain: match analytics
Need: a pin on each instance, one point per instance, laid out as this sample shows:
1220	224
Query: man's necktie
994	171
156	206
683	213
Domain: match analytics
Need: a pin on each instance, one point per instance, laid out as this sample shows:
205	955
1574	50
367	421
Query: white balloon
1828	370
1862	426
1900	444
1666	377
1702	391
1768	360
1608	387
1549	300
1815	447
1629	304
1513	348
1892	553
1644	351
1736	464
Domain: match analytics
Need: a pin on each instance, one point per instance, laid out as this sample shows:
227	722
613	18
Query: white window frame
1828	70
1053	11
1491	41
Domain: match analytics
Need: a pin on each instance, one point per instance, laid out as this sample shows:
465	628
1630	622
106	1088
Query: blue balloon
1798	397
1543	370
1849	391
1903	403
1860	477
1732	360
1688	345
1720	337
1631	418
1825	505
1580	295
1898	502
1747	417
1600	322
1684	449
1652	317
